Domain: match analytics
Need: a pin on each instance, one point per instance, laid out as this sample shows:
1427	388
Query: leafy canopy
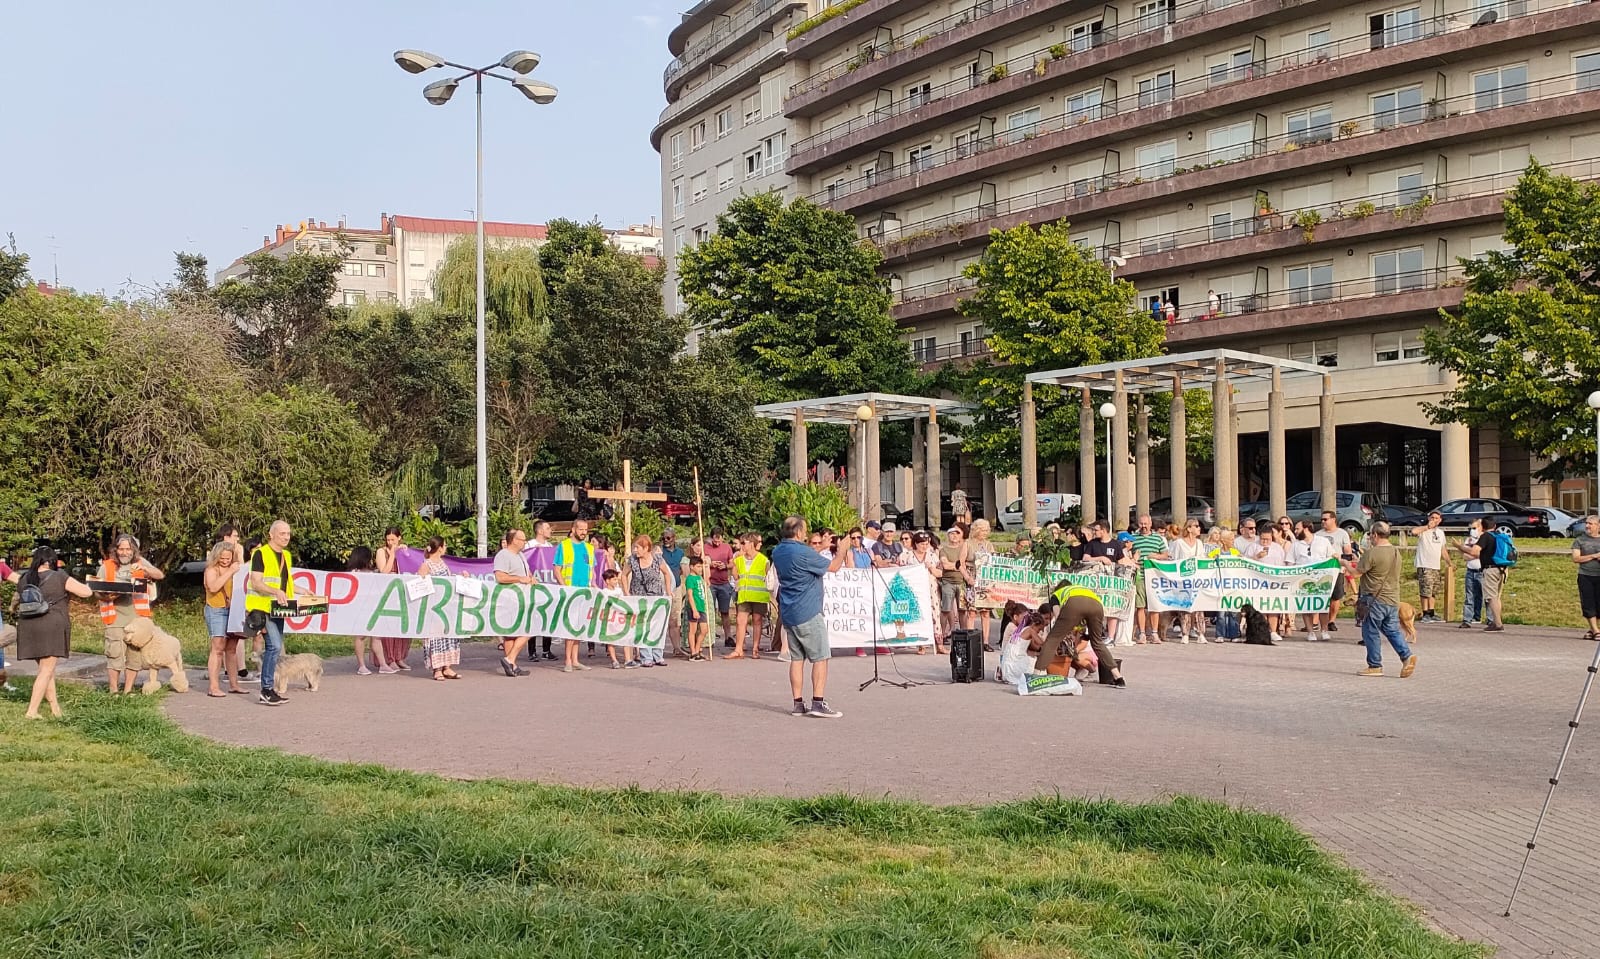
513	283
1526	341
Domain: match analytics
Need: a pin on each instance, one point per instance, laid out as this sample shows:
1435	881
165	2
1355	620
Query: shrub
811	23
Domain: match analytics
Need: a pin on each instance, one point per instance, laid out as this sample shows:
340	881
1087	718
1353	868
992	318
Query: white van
1048	508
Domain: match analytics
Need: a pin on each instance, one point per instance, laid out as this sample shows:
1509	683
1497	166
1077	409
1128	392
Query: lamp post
1594	404
863	417
1107	411
438	93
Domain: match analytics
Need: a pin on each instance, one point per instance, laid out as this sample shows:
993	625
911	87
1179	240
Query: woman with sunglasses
1190	546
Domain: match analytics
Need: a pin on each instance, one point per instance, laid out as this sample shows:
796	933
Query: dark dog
1256	630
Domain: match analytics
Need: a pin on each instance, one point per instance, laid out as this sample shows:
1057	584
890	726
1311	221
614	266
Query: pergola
1219	369
878	408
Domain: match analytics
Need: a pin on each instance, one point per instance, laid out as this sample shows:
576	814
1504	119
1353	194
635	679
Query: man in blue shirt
672	554
800	570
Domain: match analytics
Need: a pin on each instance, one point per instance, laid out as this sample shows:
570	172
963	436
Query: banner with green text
424	607
1229	582
1003	579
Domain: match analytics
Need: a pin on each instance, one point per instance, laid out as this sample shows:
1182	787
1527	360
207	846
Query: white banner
380	604
897	605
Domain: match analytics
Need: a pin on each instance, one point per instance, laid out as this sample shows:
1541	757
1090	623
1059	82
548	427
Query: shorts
753	609
809	640
1494	577
1338	587
116	649
952	596
216	621
1427	582
722	593
1140	600
696	617
1589	596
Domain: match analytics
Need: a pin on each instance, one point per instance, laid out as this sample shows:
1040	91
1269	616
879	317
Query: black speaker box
966	656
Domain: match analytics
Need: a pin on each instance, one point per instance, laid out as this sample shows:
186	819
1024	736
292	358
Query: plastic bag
1049	686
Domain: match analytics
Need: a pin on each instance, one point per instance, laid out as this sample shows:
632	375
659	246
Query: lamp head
863	412
1594	400
1108	410
535	90
439	92
520	61
416	61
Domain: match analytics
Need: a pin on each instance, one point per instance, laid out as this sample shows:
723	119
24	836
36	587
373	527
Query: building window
973	340
1235	66
752	164
1319	43
325	246
725	175
380	249
353	269
966	143
677	241
1309	284
777	149
1320	352
415	258
751	107
702	233
354	297
1224	226
1397	107
697	135
1156	89
1024	124
1153	14
918	94
1396	26
677	199
697	188
1087	36
1396	347
1587	67
724	122
1085	106
384	296
925	349
1500	87
677	150
1503	9
418	295
1314	125
1229	143
1408	188
1397	271
1156	233
920	158
376	269
974	74
1156	160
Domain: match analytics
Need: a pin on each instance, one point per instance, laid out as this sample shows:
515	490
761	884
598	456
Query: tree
800	298
13	269
565	239
521	407
1046	303
514	291
1525	344
280	306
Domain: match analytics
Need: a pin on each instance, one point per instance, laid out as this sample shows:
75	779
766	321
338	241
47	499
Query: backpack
31	603
1505	552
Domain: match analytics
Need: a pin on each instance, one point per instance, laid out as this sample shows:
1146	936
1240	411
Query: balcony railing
953	284
955	223
1316	130
694	98
695	54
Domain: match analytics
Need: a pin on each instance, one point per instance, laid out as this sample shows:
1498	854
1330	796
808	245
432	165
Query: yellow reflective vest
751	576
1070	590
276	576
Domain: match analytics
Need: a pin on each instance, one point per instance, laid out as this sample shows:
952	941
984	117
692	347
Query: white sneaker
1185	639
1200	638
1276	638
1314	636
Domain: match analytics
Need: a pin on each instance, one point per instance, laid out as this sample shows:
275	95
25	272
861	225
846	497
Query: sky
134	130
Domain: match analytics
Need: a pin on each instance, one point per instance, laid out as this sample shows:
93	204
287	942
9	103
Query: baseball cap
888	526
874	524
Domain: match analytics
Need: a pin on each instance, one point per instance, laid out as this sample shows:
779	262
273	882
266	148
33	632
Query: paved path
1430	785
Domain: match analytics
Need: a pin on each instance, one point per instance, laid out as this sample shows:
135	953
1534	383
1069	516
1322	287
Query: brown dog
1407	615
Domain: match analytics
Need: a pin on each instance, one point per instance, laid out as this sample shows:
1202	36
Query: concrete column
1180	452
874	478
1118	500
931	475
1086	477
1030	460
1489	461
919	474
1224	449
853	469
1141	458
1277	470
1328	479
1455	461
989	484
799	451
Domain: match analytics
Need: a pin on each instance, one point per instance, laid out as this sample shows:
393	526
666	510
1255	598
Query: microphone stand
872	579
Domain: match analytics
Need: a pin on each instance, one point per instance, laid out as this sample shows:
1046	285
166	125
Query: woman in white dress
1276	550
1190	546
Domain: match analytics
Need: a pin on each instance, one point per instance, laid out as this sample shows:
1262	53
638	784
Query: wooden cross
627	497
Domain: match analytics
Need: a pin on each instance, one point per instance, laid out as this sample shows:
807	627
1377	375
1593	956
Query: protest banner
1229	582
894	604
380	604
1003	579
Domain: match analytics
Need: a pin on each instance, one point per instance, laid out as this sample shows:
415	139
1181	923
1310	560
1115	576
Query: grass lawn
126	838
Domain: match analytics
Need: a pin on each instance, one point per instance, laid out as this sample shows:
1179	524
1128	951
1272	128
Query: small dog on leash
1407	614
1256	630
295	668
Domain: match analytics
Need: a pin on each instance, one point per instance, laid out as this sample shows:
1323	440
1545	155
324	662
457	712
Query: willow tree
514	291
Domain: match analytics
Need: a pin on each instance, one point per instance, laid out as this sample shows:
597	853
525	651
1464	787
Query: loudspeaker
966	656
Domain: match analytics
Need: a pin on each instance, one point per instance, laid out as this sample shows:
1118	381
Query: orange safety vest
108	605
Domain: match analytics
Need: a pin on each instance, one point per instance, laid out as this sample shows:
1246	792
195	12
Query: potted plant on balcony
998	73
1348	129
1263	205
1307	221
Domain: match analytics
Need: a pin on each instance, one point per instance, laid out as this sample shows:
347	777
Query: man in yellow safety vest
1080	607
271	580
753	596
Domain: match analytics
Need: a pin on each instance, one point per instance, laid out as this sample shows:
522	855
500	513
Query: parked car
1357	511
1404	517
1499	515
1198	508
552	510
1562	523
674	509
1255	509
1048	508
906	519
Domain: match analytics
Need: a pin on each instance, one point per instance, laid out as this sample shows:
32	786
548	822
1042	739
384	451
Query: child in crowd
695	600
613	587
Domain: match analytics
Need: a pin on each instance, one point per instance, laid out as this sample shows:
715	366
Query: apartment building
723	131
369	272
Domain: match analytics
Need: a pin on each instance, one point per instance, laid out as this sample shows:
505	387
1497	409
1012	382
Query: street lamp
1107	411
864	415
1594	404
438	93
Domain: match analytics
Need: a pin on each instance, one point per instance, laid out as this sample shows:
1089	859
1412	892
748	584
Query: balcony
971	350
697	17
1549	103
825	36
741	73
1088	125
962	31
729	35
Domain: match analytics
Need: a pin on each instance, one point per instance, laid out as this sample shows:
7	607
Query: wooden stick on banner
700	525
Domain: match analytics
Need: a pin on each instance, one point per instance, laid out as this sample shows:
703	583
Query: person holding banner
800	573
511	567
542	564
271	579
441	653
647	574
1187	546
395	648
